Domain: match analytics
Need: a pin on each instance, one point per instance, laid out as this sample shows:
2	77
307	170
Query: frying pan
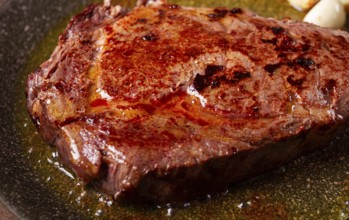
34	185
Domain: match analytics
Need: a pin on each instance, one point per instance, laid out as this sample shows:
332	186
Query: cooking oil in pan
312	187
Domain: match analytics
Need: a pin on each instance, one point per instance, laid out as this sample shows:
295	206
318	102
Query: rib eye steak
166	103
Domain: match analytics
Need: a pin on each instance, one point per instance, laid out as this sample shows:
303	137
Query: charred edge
235	11
30	92
278	30
328	126
86	14
150	37
271	68
38	70
295	82
218	13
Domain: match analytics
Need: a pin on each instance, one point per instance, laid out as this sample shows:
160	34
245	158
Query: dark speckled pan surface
313	187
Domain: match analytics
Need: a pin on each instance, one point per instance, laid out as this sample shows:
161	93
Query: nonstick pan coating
316	186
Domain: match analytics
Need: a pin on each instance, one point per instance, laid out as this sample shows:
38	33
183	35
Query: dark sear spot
236	77
211	79
284	42
305	47
213	69
142	20
271	68
270	41
295	82
328	89
60	86
255	109
150	37
277	30
236	11
287	43
86	42
306	63
241	75
109	30
161	13
203	81
218	13
199	82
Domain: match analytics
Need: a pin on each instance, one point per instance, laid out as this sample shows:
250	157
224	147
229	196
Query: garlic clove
327	13
346	4
303	5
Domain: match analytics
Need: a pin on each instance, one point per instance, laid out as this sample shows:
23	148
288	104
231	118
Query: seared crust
167	103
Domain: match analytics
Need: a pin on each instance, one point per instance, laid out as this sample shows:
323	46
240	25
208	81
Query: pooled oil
312	187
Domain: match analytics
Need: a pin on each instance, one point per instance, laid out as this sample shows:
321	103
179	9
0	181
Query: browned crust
273	89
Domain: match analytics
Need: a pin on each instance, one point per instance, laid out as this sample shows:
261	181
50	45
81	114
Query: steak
166	103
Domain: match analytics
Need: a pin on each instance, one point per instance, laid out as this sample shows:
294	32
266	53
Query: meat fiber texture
167	103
